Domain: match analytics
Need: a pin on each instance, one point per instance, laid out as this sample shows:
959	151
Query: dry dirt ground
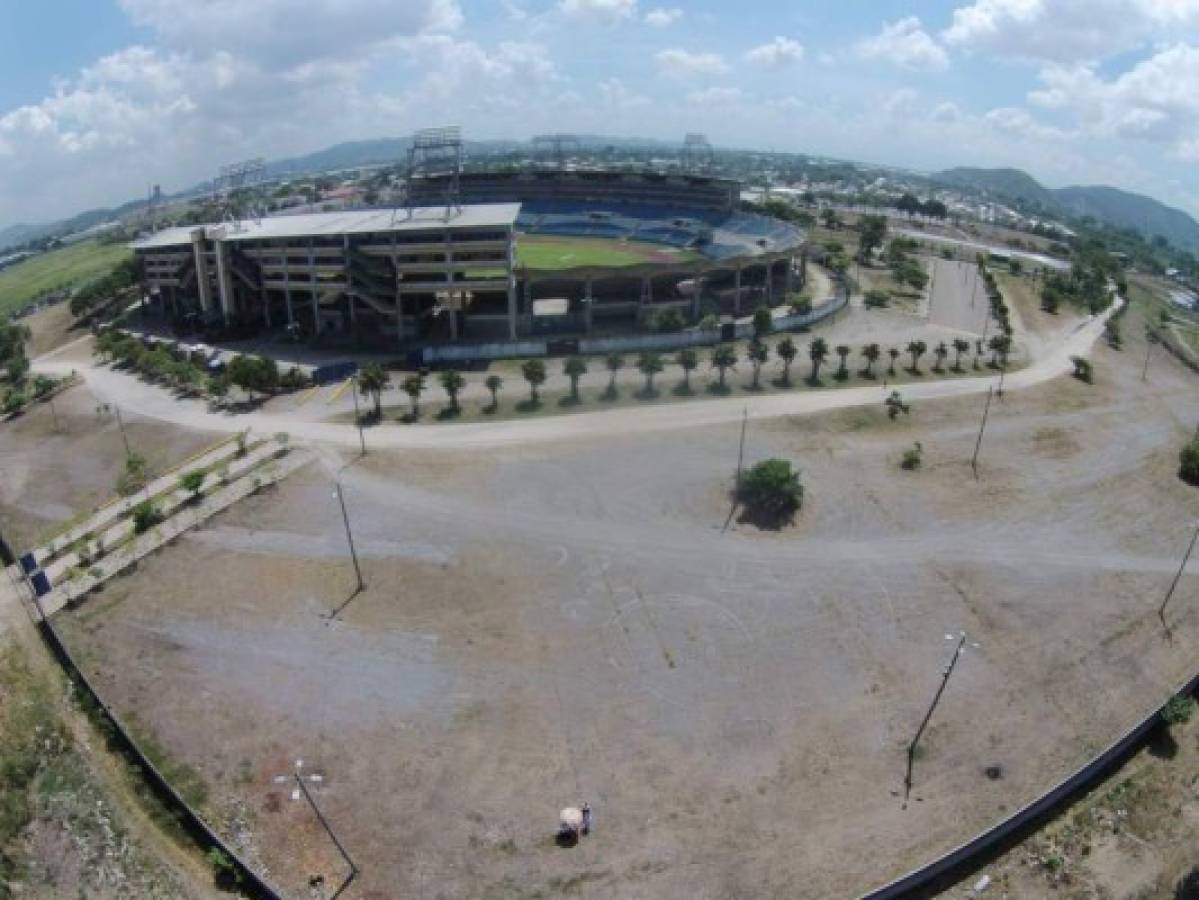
566	622
51	473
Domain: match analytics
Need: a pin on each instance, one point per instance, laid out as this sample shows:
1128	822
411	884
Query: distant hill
1104	204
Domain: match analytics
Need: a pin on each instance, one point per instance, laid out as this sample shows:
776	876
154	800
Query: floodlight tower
559	145
697	155
237	185
152	204
436	151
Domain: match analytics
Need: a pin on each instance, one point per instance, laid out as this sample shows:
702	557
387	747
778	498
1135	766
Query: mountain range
1107	205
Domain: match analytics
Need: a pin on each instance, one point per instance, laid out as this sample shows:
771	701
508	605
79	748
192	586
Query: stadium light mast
559	145
435	151
236	189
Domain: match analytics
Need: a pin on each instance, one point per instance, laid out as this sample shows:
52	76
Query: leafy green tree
218	386
979	350
649	364
373	380
999	346
14	401
614	362
493	384
786	351
763	322
452	382
940	352
895	406
134	476
960	346
872	232
192	482
145	516
574	367
829	216
1082	369
917	350
817	353
533	371
870	353
13	359
1178	710
913	457
414	385
893	353
668	321
243	372
724	357
842	368
688	361
757	353
875	299
771	492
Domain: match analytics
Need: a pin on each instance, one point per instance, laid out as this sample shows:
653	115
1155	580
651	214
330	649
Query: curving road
131	394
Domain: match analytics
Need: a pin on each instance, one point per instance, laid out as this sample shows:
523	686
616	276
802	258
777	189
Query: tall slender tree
894	354
842	368
960	346
724	357
757	353
413	385
786	351
452	383
688	360
917	349
574	367
533	371
614	363
649	364
817	353
870	353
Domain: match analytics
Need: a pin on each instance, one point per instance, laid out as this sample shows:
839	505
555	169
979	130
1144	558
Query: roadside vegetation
56	274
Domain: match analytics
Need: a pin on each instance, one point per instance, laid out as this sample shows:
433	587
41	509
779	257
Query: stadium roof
363	221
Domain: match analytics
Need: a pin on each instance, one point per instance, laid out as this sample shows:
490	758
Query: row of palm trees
373	380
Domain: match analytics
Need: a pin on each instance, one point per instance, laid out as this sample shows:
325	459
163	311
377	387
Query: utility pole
978	444
358	417
329	831
1161	613
945	675
124	437
349	535
53	411
1150	340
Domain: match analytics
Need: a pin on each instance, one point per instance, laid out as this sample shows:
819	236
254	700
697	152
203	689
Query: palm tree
452	382
960	346
614	362
786	351
916	348
649	364
688	359
534	372
978	353
574	367
842	371
999	346
724	356
894	354
494	383
870	353
940	352
757	353
817	353
373	380
413	385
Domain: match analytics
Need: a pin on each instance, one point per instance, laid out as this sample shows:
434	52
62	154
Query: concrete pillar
789	278
696	295
737	292
345	256
528	310
511	307
449	277
770	284
395	262
316	312
200	251
588	304
291	318
224	278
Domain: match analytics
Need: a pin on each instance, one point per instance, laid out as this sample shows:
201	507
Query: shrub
14	401
1082	369
801	304
145	517
1188	459
913	457
710	322
667	321
1178	710
875	299
771	492
192	481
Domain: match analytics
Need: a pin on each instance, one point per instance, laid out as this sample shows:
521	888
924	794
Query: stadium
483	256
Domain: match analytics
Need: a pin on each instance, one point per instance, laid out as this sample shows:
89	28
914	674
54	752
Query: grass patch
551	254
66	267
183	778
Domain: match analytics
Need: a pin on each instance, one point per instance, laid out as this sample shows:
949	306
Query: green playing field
546	253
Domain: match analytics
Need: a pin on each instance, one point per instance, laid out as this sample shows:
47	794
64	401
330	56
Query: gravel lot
565	621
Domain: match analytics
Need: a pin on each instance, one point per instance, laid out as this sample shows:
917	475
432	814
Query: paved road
135	396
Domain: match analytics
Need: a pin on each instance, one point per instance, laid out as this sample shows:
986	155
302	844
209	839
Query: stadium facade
448	270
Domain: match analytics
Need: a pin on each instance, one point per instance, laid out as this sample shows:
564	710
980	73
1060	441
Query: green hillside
66	267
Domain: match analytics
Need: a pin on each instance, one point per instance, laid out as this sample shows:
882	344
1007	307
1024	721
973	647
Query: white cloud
899	102
716	96
662	17
598	12
904	43
1066	31
778	52
685	64
1157	100
1018	121
615	94
946	113
279	33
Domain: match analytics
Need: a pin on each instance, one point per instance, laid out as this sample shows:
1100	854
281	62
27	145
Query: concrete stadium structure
450	272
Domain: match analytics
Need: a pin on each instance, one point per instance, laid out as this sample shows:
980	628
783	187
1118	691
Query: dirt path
129	393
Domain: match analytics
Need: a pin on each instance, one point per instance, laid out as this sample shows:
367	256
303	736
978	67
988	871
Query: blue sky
101	98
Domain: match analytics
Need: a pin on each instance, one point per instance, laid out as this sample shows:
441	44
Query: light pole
945	675
124	437
978	444
349	535
1161	613
358	416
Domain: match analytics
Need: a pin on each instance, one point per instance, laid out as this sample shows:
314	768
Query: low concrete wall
496	350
